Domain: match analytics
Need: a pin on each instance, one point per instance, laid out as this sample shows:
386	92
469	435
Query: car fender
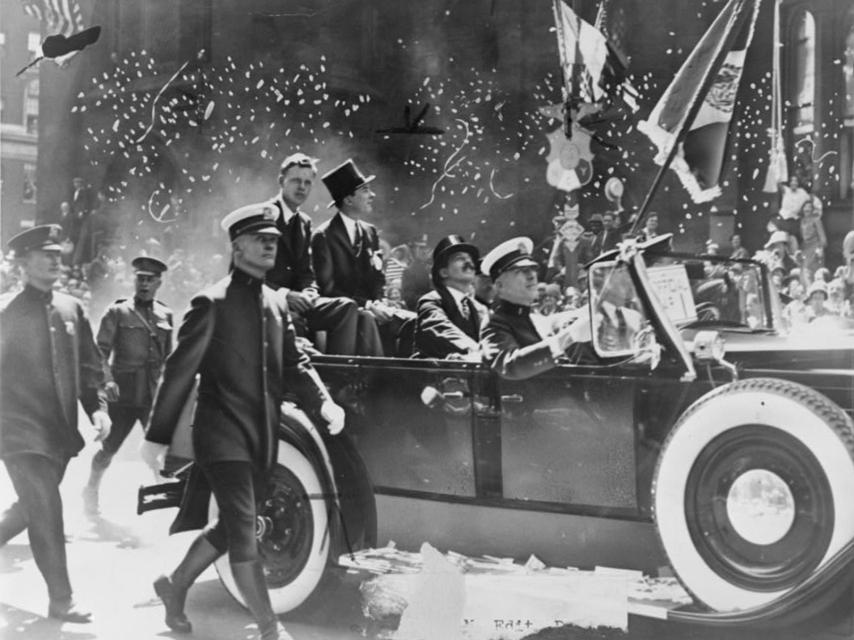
346	485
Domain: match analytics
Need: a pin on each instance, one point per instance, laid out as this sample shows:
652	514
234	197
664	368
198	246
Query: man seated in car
512	344
617	318
449	319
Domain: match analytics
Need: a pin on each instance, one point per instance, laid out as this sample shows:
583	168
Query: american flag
59	16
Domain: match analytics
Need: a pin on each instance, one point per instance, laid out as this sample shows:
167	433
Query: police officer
239	338
137	334
513	345
48	361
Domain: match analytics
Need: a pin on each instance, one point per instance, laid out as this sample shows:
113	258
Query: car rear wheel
752	492
292	531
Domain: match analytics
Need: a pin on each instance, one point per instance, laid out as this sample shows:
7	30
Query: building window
31	106
34	42
802	92
29	186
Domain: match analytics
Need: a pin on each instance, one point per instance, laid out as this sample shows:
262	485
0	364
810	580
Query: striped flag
58	16
593	68
696	109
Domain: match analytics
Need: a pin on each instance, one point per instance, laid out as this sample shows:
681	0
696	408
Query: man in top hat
135	336
293	271
239	338
512	344
48	361
449	319
346	253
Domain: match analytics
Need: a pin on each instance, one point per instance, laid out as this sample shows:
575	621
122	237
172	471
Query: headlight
709	346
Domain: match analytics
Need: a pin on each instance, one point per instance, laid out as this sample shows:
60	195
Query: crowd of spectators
97	240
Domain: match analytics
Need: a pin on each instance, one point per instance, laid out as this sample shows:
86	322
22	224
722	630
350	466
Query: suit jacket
293	269
48	361
138	348
605	240
238	336
511	344
441	329
345	270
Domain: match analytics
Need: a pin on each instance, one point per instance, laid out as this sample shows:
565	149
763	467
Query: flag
593	68
60	17
696	109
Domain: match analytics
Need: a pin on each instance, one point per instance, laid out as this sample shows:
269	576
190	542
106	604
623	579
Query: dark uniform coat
139	337
511	344
48	361
293	269
441	329
343	269
238	336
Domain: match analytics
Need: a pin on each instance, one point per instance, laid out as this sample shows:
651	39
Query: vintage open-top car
693	433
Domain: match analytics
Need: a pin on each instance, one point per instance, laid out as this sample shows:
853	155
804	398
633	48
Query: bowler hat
45	237
344	180
515	252
443	250
147	265
251	218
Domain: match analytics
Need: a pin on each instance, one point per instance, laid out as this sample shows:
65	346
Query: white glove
153	454
334	416
102	423
578	331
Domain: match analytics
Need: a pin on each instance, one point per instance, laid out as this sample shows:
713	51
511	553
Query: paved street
113	560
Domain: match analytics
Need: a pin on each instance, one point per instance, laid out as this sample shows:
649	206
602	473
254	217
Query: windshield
710	290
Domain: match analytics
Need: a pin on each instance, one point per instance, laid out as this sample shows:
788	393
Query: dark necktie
357	239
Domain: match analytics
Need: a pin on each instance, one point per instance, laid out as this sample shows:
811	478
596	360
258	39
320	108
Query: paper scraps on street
451	596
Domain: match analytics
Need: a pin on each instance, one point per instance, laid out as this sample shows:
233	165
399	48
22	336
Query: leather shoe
175	619
68	612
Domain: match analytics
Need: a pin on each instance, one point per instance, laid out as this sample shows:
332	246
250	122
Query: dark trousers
36	480
237	487
339	318
123	417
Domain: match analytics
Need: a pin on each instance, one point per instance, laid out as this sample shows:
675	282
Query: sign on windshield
674	290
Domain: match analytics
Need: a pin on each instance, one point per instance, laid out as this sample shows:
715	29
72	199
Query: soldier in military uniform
48	362
137	333
513	345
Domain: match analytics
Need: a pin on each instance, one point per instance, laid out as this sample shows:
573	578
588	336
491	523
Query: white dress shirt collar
350	225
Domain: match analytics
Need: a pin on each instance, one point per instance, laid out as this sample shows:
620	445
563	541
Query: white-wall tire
773	425
294	569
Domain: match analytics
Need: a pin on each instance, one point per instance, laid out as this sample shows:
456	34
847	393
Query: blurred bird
59	45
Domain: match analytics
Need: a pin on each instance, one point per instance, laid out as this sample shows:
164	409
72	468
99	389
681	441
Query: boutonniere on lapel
69	328
376	259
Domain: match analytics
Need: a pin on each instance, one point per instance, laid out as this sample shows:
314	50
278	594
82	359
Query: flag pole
698	99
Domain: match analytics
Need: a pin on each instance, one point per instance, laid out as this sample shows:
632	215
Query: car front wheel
752	492
292	532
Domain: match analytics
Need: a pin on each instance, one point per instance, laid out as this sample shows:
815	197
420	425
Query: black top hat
45	237
148	266
445	247
344	180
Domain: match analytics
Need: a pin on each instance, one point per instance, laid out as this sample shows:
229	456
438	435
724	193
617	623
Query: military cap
45	237
344	180
147	265
515	252
251	218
